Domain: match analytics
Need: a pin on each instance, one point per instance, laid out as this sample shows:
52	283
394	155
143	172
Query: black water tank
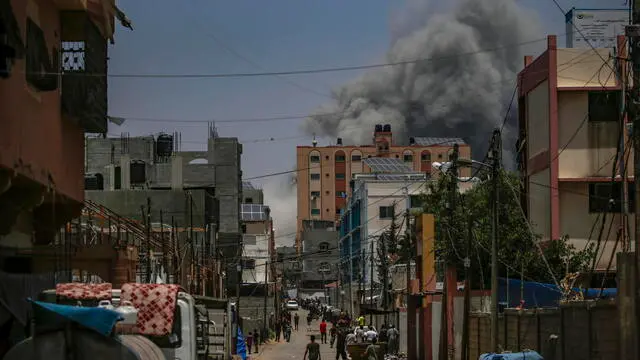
387	128
138	172
378	128
412	141
339	141
93	181
164	145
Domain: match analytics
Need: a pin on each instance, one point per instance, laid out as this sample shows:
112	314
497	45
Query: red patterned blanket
80	291
156	304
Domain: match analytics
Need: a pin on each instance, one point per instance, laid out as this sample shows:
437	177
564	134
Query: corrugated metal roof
430	141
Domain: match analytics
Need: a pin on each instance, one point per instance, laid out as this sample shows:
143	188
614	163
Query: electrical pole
191	242
350	274
451	206
495	173
266	273
148	240
467	292
371	283
165	266
629	335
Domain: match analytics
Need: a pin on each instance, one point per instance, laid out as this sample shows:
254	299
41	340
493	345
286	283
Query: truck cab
180	344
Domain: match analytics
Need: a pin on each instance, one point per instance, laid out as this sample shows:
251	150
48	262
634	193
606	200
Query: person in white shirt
371	334
359	334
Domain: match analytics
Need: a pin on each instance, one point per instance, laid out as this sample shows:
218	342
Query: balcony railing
84	68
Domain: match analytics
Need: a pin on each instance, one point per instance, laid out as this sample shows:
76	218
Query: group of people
342	334
253	338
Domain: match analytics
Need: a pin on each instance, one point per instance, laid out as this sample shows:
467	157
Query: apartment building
570	121
45	115
324	172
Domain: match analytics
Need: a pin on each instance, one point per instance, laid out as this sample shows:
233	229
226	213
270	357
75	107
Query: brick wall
585	330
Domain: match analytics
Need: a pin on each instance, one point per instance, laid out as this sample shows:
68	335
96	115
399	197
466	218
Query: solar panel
401	177
387	165
253	212
429	141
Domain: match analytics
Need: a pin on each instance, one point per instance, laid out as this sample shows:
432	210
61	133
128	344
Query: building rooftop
444	141
387	165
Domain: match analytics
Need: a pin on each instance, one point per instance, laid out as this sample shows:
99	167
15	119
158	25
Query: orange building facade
324	173
44	113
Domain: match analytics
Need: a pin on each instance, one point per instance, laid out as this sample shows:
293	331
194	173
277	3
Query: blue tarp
98	319
241	346
527	355
539	294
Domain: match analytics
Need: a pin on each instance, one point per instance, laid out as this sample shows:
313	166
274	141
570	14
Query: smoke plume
462	91
281	197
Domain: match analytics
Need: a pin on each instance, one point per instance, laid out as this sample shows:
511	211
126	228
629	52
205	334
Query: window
315	194
604	106
248	263
315	176
356	158
408	157
415	201
606	197
324	267
341	194
315	211
248	200
340	158
425	156
386	212
340	176
314	158
324	246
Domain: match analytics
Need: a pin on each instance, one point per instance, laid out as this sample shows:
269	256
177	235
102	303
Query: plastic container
106	304
129	313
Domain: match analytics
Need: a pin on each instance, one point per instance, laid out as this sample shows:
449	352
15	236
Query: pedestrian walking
287	332
256	339
278	329
323	332
296	320
312	350
392	337
309	318
341	344
332	334
249	342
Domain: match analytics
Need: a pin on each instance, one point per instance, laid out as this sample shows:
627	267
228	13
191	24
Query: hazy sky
216	36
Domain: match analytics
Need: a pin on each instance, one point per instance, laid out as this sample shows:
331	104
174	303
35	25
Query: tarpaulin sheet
526	355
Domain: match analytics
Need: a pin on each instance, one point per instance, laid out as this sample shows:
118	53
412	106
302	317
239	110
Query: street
295	348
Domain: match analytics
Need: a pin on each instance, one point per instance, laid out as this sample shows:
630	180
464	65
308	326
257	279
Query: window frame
356	158
316	212
341	176
314	158
314	176
340	158
314	193
383	209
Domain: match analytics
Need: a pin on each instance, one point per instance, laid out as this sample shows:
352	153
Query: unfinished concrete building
196	191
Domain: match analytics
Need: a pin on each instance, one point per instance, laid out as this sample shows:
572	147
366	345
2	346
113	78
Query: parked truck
61	332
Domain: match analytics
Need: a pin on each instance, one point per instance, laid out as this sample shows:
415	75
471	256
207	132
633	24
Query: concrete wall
540	203
538	119
580	68
314	259
589	332
225	154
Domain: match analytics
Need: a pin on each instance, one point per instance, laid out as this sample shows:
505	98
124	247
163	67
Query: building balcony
84	68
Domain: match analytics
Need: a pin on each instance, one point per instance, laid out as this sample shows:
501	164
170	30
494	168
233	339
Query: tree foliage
518	252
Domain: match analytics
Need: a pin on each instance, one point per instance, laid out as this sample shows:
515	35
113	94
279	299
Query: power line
301	71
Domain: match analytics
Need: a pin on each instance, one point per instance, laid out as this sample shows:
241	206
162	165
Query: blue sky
215	36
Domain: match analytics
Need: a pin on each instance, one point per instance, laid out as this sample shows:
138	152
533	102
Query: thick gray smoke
462	91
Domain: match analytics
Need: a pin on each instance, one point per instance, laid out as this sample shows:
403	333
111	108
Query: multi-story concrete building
376	200
570	123
324	172
320	255
192	188
45	115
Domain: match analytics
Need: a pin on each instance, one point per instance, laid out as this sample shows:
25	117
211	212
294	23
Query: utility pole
371	283
496	151
165	265
191	242
467	292
350	274
451	206
148	240
266	272
629	334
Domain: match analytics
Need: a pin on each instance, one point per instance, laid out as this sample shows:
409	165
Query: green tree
517	249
